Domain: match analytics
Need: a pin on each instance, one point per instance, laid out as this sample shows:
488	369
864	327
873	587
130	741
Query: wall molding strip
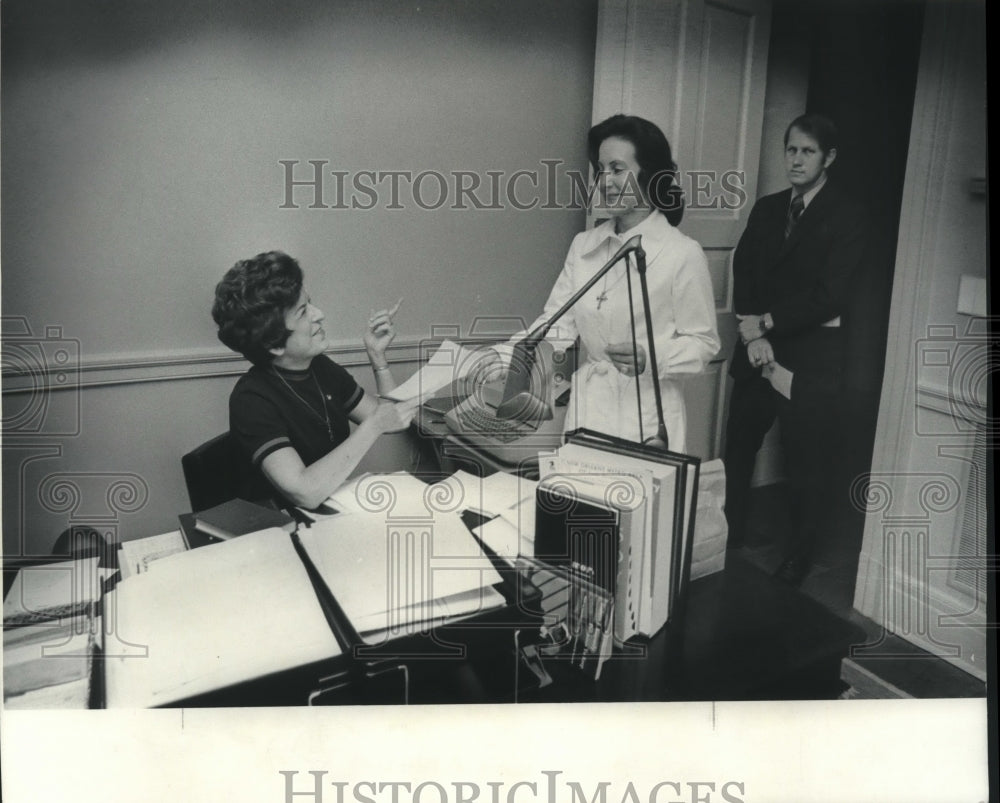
107	372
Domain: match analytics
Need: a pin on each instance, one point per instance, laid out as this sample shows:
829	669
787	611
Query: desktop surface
742	635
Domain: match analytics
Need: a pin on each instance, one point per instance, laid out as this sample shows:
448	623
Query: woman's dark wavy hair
251	302
657	170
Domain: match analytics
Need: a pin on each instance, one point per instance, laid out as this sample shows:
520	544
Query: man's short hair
251	302
818	126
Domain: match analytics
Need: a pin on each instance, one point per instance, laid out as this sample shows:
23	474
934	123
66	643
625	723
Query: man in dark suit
792	272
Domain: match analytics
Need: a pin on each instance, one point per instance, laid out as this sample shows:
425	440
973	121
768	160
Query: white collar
654	228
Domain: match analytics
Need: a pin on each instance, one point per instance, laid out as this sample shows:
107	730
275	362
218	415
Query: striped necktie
795	211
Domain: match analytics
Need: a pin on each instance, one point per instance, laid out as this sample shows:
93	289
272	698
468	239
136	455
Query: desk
743	636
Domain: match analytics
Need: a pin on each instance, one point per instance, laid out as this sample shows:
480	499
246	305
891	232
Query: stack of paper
234	611
134	557
212	617
507	499
47	666
494	495
52	591
394	496
387	576
511	534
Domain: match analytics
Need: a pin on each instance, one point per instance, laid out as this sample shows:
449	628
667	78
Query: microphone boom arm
538	333
527	403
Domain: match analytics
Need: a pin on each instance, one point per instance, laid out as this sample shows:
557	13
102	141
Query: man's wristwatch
762	324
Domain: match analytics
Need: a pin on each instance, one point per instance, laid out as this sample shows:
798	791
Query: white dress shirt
683	313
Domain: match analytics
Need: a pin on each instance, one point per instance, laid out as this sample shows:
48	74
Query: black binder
685	496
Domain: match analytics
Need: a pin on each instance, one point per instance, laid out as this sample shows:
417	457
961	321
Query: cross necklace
325	418
604	293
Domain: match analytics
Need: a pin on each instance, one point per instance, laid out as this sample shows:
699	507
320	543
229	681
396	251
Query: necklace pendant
602	298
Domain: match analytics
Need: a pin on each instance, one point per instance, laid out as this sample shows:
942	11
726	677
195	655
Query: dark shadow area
863	61
863	75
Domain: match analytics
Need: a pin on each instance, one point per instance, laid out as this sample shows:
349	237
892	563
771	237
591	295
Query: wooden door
696	68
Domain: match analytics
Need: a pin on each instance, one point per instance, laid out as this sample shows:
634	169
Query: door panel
696	68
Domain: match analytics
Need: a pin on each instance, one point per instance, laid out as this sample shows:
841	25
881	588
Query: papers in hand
449	362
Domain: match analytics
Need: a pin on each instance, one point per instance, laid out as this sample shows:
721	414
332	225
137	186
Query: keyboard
473	419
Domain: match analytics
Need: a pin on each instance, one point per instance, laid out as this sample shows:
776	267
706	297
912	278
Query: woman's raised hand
381	330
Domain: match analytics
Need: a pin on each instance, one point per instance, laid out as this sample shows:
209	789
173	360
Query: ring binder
654	555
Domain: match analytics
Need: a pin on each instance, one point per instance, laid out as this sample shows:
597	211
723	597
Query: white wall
937	368
141	149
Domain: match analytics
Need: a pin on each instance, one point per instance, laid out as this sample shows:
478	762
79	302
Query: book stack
230	520
51	632
654	515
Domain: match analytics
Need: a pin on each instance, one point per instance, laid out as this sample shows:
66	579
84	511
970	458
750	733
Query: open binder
648	539
286	613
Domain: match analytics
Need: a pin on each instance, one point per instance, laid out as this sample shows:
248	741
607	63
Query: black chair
80	542
74	543
215	472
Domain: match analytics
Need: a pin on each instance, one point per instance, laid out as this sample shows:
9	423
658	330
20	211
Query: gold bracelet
383	368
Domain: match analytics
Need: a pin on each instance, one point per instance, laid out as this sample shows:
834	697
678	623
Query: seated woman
637	192
291	411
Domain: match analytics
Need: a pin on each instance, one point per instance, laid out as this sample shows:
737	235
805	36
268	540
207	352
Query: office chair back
215	472
81	542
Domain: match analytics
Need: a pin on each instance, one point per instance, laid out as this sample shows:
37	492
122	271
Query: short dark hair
818	126
657	170
251	302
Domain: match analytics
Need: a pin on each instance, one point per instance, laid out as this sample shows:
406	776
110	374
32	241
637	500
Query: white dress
684	324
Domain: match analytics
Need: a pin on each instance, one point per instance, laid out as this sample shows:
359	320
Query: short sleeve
257	424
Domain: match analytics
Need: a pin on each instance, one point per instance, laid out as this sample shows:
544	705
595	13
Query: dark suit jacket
802	282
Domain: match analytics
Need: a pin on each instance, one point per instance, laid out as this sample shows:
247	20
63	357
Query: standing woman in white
637	192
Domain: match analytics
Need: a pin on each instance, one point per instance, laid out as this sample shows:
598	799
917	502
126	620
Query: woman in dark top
291	411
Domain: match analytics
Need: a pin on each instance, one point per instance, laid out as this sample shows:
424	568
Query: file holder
576	620
681	537
642	557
